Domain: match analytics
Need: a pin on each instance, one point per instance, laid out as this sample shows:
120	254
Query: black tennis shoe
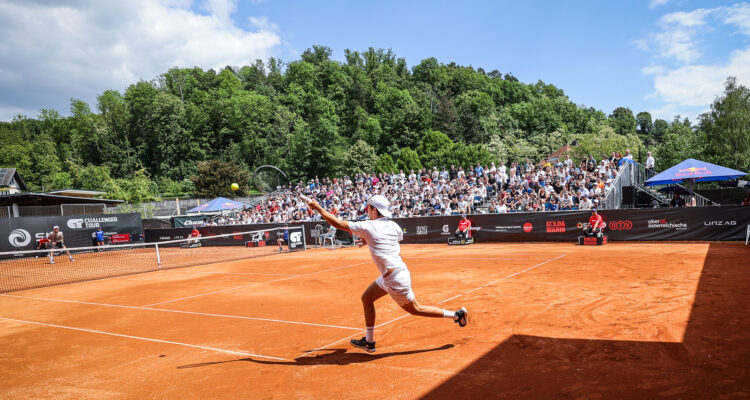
462	317
364	345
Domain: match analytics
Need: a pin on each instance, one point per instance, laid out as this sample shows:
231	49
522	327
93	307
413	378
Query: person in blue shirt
479	170
99	237
283	237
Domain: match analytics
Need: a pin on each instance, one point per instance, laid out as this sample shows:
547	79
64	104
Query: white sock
370	335
449	314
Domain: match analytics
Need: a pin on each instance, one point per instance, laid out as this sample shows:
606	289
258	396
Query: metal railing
169	208
613	195
641	175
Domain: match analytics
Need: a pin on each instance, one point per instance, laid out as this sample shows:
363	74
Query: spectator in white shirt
585	203
650	162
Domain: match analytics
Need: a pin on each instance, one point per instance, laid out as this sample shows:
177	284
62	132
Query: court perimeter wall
725	223
22	233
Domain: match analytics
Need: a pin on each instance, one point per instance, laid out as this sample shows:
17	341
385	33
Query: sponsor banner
296	232
678	224
296	239
188	221
668	224
22	233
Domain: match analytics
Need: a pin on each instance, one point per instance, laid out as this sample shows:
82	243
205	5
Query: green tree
659	130
622	121
727	127
605	141
680	142
360	158
433	147
136	189
214	178
385	164
473	114
643	125
408	159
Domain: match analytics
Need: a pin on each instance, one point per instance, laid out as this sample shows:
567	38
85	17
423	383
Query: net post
158	257
304	241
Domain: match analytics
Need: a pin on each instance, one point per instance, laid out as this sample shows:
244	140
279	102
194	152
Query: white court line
441	302
466	258
145	339
181	312
256	283
229	273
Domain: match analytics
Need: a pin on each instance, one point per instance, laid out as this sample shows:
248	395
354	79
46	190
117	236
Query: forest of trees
320	117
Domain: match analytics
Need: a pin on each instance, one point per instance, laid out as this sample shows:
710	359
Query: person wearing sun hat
383	236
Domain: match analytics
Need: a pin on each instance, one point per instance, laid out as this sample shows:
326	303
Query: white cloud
692	18
657	3
79	48
676	38
698	85
263	23
688	87
739	16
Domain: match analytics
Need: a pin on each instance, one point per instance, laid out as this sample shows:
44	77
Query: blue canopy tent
693	170
217	204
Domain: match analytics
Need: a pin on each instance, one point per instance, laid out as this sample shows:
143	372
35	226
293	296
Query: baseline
181	312
144	339
440	302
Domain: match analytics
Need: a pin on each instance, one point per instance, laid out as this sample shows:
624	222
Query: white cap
381	204
55	227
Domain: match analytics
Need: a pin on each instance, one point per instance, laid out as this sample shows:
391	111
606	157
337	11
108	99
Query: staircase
641	175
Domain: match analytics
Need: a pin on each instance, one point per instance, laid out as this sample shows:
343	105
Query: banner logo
527	227
555	226
664	224
446	230
421	229
620	225
295	237
19	237
76	223
720	223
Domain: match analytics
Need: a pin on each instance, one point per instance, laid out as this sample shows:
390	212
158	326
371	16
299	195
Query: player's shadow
711	361
326	357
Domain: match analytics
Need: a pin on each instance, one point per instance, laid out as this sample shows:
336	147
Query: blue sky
668	57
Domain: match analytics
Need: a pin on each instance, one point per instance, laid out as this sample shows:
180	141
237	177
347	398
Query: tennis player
56	240
382	236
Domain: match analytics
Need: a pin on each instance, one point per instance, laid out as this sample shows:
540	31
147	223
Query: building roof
77	192
9	174
44	199
556	156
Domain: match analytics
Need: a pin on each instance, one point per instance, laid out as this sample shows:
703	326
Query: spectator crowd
518	187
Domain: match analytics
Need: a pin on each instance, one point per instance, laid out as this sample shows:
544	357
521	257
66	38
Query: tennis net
21	270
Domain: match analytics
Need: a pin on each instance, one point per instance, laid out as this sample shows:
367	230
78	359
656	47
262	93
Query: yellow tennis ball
235	186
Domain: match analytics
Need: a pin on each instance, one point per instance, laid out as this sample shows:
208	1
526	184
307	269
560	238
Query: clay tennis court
622	321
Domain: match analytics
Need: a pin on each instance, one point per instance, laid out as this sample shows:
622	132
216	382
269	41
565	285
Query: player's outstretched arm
330	218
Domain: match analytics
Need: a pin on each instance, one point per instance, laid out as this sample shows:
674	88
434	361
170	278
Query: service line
281	321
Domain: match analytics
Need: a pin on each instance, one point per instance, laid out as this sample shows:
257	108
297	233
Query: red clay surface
622	321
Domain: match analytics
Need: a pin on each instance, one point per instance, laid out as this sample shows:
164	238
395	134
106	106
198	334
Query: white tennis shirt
382	236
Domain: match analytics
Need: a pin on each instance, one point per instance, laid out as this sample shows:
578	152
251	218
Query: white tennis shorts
398	286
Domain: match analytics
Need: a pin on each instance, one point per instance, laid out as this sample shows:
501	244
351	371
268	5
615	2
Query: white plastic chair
330	236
